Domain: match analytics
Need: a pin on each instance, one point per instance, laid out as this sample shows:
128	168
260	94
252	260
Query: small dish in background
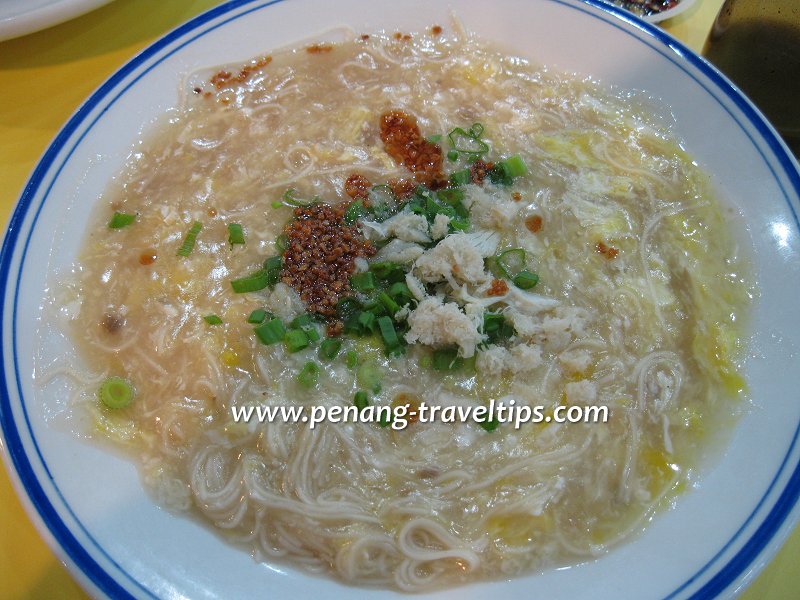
654	11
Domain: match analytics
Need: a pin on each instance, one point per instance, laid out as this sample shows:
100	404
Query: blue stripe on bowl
710	583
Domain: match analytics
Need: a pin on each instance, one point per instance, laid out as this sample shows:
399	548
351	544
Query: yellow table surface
43	78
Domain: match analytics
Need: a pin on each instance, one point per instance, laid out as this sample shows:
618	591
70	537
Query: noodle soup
404	222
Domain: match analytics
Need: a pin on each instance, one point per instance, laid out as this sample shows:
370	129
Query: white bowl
89	504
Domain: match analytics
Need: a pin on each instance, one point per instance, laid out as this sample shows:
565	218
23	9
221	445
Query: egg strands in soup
640	300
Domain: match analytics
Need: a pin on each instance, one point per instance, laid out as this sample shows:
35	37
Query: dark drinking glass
756	43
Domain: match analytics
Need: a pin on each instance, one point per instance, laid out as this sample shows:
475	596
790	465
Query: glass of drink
756	43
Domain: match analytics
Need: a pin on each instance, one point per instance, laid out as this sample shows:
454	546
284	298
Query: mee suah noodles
396	221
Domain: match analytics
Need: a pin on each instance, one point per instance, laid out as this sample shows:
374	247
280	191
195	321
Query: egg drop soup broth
637	309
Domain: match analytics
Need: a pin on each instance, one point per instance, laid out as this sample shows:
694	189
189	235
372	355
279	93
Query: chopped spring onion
292	197
510	262
367	321
303	320
312	333
504	172
388	271
496	327
189	240
363	282
452	156
468	143
116	392
450	195
489	425
434	139
329	348
295	340
458	225
351	359
254	282
388	333
446	359
391	306
277	204
270	332
462	177
361	400
347	306
120	220
235	234
212	320
514	166
525	280
369	375
309	374
354	212
258	316
281	243
272	267
400	293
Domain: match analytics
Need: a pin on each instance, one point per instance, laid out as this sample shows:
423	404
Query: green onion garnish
458	224
235	234
354	212
400	293
462	177
367	321
309	374
525	280
212	320
303	320
452	156
434	139
514	166
295	340
510	262
450	195
254	282
468	142
363	282
258	316
446	359
120	220
116	392
388	333
189	240
347	306
351	359
292	198
391	306
281	243
273	266
489	425
369	375
388	271
329	348
496	327
361	400
270	332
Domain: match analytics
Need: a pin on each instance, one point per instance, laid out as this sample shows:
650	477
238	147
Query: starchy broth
639	306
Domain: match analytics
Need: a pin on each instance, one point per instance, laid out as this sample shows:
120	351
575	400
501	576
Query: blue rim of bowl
77	554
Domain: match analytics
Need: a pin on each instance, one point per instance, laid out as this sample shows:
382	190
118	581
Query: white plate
19	17
90	505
